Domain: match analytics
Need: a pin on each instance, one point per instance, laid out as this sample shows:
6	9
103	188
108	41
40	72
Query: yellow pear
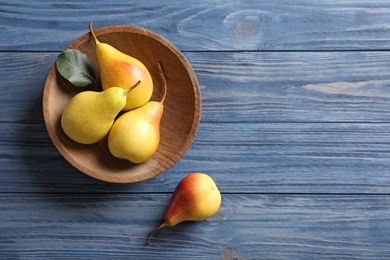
135	135
121	70
195	198
88	116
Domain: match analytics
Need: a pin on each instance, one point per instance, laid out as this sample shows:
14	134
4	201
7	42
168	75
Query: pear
121	70
88	116
195	198
135	135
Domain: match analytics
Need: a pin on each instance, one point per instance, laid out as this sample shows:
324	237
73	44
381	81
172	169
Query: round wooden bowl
182	106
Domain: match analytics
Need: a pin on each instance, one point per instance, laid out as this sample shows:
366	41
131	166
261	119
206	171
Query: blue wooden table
295	131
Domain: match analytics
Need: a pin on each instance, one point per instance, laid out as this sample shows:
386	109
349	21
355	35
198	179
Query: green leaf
76	67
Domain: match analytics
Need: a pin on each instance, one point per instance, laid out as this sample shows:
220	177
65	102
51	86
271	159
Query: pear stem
93	33
164	81
96	86
132	87
154	230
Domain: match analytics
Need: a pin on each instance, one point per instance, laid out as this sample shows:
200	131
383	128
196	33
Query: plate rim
195	122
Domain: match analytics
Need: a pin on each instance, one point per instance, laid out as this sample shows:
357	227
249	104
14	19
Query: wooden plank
293	87
24	76
246	227
297	158
199	25
242	87
244	158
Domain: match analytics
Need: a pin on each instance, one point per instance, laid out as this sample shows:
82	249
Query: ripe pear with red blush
195	198
121	70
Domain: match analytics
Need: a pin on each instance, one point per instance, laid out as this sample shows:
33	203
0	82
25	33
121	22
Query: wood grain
246	227
293	86
294	131
199	25
260	158
243	87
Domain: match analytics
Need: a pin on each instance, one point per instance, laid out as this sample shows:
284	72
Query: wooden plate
179	123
